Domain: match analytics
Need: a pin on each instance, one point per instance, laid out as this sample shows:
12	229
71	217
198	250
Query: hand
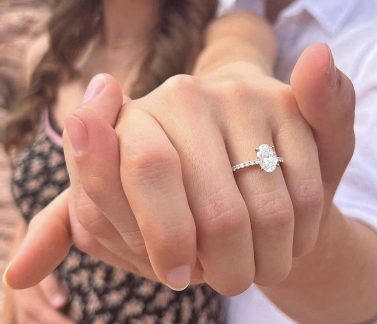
221	211
41	304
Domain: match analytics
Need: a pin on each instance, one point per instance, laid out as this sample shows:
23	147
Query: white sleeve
256	6
357	194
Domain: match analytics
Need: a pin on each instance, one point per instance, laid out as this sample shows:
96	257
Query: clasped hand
152	189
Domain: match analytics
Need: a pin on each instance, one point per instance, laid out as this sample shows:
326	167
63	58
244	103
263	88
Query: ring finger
269	205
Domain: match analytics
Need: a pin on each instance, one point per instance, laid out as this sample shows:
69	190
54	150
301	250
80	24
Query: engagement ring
266	159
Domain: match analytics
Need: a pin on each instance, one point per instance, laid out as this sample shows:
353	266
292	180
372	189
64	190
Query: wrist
343	260
238	37
333	230
210	62
236	70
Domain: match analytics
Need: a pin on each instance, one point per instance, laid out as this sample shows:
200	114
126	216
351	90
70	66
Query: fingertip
11	278
58	300
178	279
96	85
104	96
312	67
322	91
45	245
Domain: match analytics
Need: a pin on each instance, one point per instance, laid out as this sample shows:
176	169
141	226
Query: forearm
238	37
337	281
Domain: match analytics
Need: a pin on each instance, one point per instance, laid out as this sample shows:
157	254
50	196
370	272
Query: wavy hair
74	23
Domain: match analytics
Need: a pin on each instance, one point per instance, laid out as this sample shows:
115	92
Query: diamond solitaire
266	158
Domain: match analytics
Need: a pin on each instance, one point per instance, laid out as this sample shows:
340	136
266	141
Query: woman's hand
177	148
40	304
177	176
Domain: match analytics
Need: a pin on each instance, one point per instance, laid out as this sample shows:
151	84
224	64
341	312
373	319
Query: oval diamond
267	158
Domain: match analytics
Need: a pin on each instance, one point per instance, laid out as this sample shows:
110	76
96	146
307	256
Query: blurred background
21	22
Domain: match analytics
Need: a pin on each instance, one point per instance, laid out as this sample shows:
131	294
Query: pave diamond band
266	159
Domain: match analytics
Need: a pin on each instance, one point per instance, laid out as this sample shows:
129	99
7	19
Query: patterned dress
99	293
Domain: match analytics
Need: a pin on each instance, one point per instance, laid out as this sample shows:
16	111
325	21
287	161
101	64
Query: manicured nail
333	73
95	87
179	278
58	300
5	281
77	134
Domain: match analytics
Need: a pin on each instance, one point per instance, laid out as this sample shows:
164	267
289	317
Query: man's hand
177	147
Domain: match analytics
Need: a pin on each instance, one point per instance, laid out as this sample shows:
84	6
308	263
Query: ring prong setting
267	159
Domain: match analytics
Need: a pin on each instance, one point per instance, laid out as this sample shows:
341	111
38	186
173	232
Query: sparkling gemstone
267	158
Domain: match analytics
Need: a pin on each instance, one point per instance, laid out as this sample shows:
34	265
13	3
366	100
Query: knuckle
135	242
243	95
241	90
164	236
186	92
222	215
272	211
182	84
151	163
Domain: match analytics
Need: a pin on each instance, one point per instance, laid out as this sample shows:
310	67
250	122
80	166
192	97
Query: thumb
326	99
46	244
55	295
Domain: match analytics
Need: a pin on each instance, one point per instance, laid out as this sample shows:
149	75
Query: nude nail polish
179	278
95	87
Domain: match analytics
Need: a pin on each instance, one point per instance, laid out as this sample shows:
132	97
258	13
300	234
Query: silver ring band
250	164
266	159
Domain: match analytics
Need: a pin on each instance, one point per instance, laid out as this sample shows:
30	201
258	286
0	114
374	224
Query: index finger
46	244
152	179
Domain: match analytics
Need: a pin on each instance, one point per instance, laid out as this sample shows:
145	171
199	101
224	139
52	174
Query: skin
304	221
114	56
31	305
39	304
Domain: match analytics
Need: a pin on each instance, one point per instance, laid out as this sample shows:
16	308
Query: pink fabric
50	132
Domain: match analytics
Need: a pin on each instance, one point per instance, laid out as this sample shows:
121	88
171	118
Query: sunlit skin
309	223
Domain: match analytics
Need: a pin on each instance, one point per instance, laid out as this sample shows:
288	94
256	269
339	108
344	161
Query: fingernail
77	134
58	300
4	278
179	278
95	87
333	73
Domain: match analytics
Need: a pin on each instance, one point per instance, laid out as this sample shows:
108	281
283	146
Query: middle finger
225	247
